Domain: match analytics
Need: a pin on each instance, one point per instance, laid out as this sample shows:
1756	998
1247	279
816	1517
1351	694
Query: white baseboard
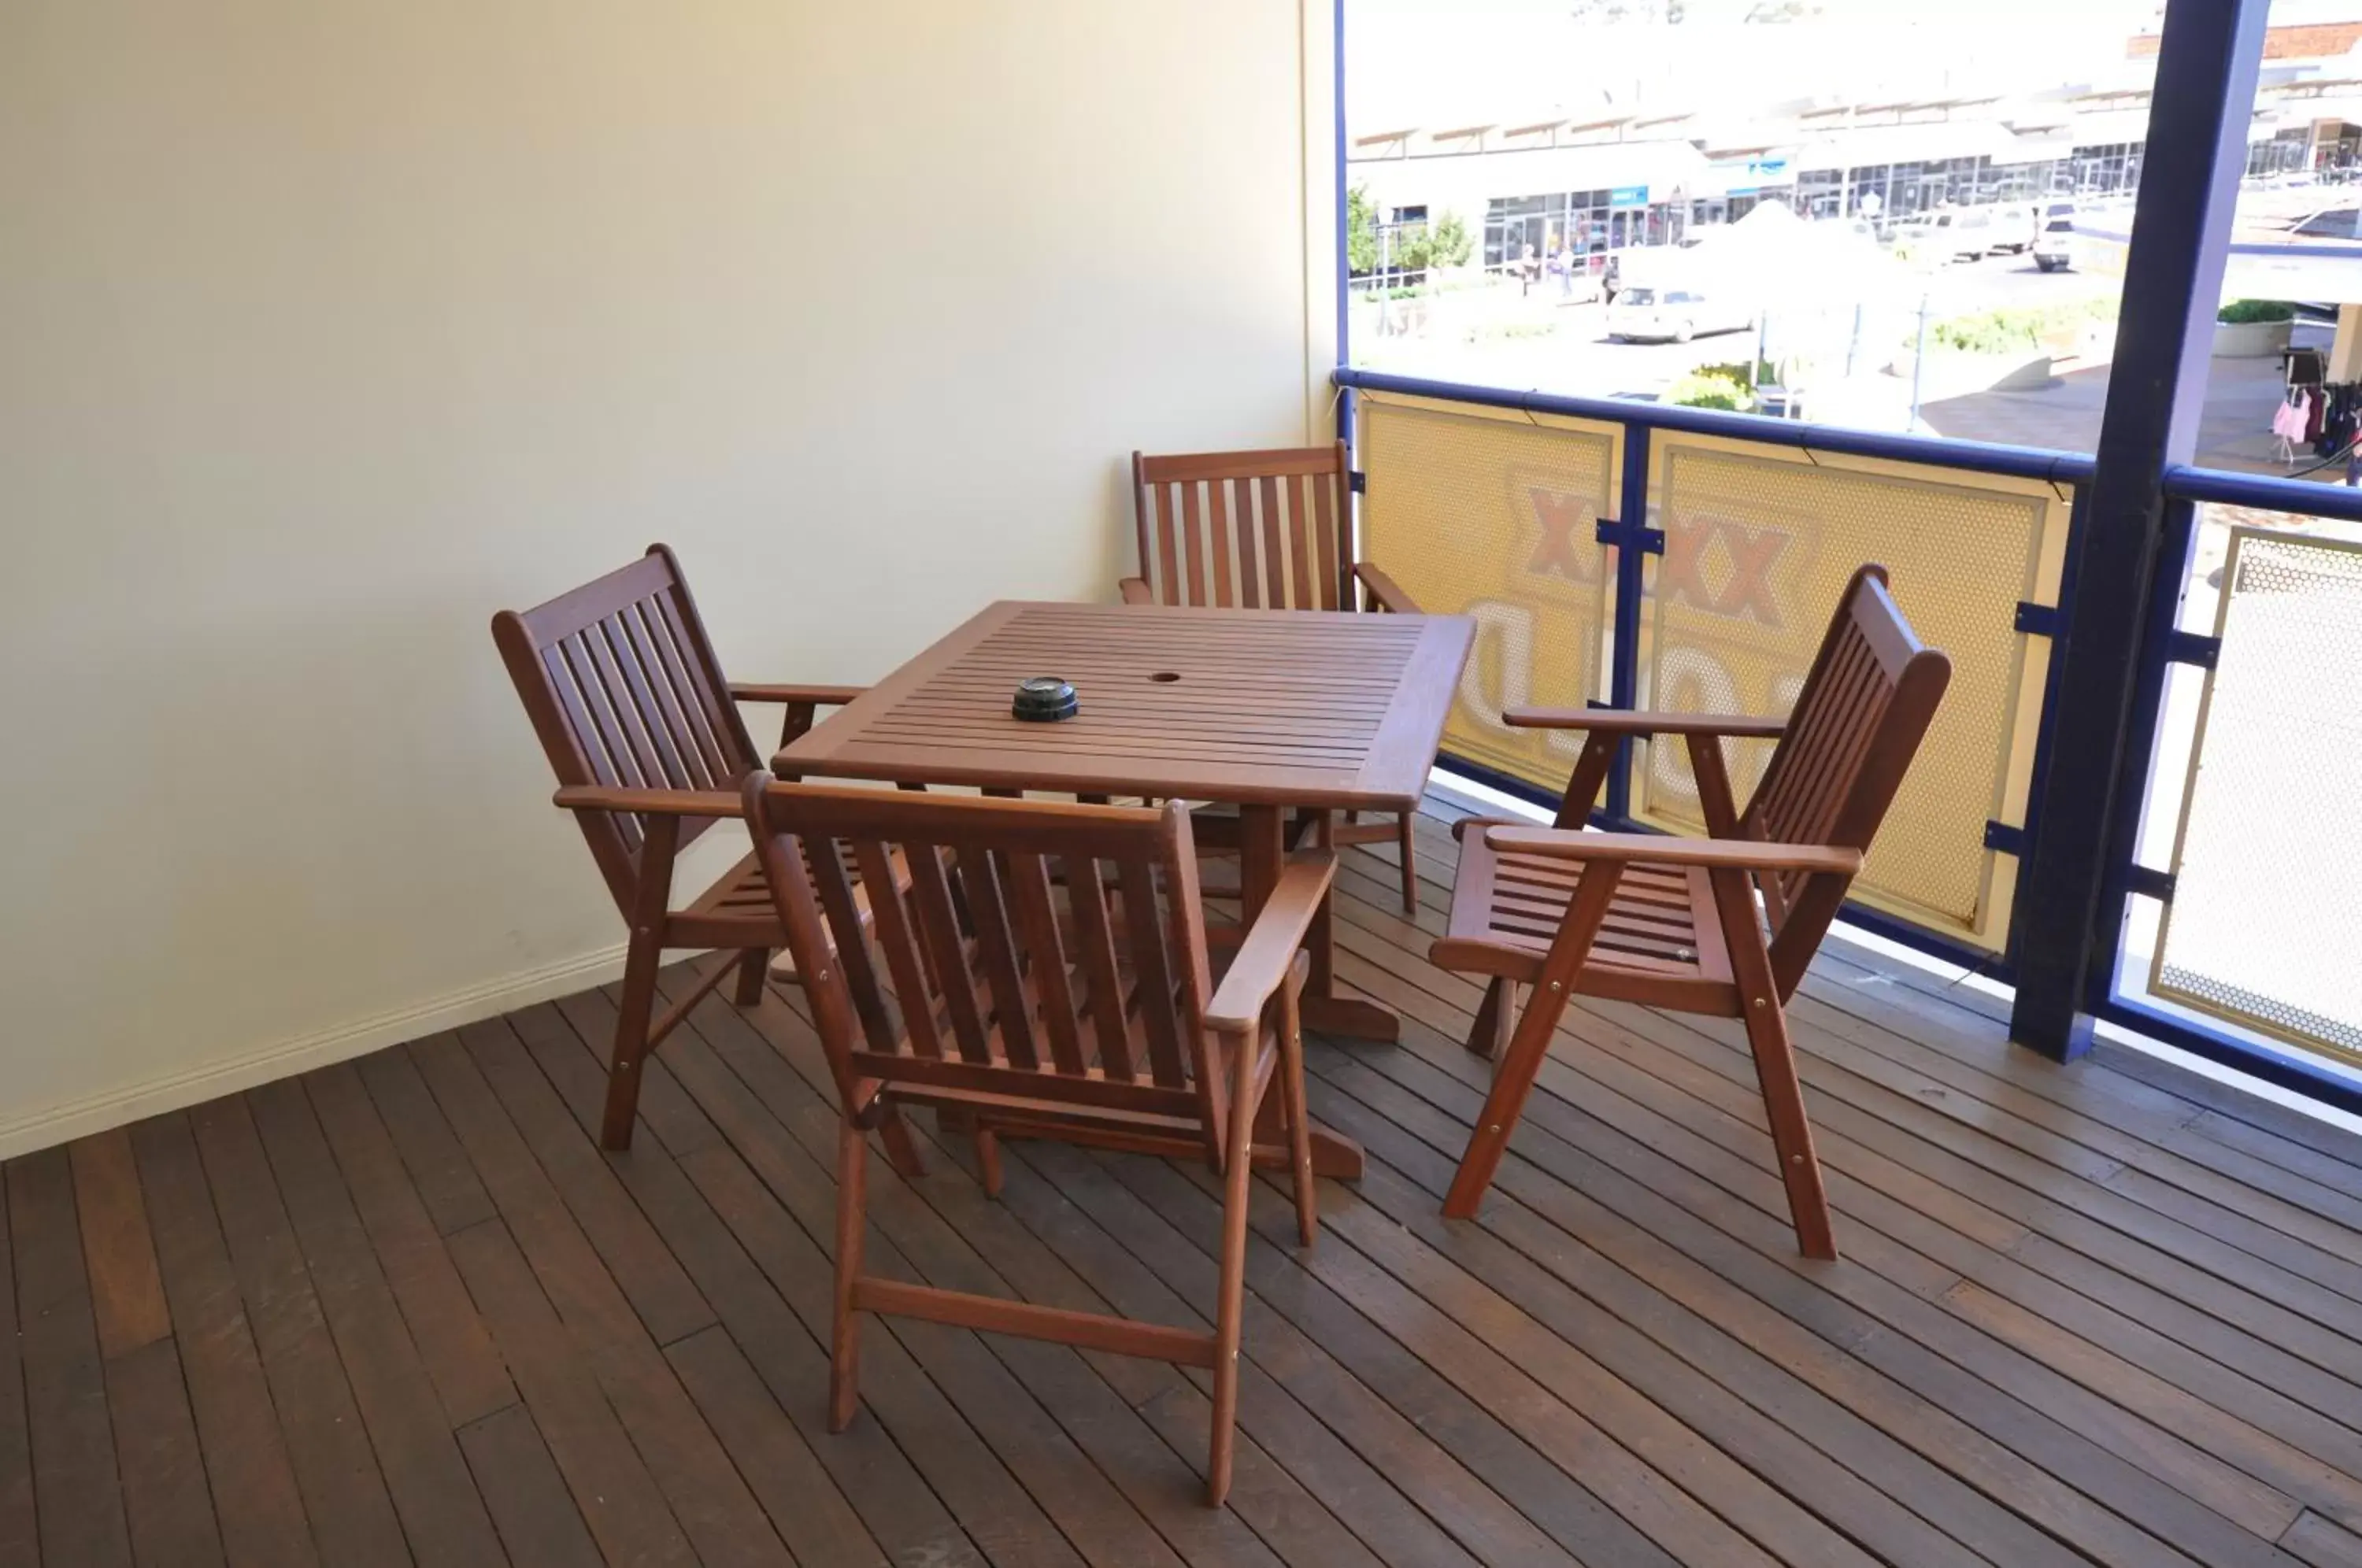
96	1113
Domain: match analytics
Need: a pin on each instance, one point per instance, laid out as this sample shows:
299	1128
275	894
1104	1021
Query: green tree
1451	246
1361	232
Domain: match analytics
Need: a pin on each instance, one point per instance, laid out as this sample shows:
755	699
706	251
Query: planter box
2250	339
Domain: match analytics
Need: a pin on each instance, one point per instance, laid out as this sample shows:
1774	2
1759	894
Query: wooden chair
1261	530
649	749
1021	995
1672	922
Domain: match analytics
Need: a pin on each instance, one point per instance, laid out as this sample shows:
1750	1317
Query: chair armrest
665	802
1631	721
1660	849
1135	590
1268	953
1385	590
818	696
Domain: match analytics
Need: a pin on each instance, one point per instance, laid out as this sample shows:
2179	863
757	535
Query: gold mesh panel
1758	544
1493	514
2264	923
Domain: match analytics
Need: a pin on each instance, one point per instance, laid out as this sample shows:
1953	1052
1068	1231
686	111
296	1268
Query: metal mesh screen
1759	543
1493	514
2265	922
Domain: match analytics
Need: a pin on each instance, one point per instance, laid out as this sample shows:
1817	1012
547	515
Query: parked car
2014	225
2053	246
1643	313
1966	233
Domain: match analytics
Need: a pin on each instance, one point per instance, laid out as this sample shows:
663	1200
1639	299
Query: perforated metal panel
1759	543
1495	515
2266	924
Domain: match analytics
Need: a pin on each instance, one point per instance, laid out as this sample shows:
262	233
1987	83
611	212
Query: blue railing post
1632	537
2207	58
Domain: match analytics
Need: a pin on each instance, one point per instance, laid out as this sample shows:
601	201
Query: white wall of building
331	329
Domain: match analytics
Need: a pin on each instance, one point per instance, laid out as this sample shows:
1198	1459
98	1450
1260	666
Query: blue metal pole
2207	58
1624	661
1345	265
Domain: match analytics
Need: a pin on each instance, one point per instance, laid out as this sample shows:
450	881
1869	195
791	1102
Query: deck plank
75	1489
259	1507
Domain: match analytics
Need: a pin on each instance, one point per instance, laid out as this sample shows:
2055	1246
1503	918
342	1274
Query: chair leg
987	1160
1775	1063
1229	1313
901	1151
1514	1072
1409	869
1792	1134
636	1008
1300	1121
1494	1016
754	968
845	1336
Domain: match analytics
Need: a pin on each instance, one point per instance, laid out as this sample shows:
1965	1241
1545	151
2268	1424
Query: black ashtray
1044	699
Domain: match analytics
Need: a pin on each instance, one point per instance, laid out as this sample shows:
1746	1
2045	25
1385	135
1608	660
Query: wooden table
1272	710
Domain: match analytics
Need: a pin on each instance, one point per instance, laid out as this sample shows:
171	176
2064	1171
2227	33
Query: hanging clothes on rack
2341	415
2290	421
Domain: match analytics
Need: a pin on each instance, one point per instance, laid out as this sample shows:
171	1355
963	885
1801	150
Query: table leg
1262	851
1324	1008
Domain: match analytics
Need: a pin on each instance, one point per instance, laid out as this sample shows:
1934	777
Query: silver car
1646	314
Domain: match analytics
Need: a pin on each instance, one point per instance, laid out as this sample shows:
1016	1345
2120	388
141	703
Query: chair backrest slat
995	954
1858	721
1269	525
1151	962
624	757
701	758
624	690
1243	507
998	960
913	975
1324	538
1246	530
1103	980
1037	918
930	892
702	677
646	724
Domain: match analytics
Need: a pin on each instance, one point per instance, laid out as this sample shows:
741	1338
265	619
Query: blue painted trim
1919	939
1634	543
2192	647
2285	1069
2035	620
2179	531
1344	268
1977	456
2072	887
2045	730
1494	779
2265	491
1644	540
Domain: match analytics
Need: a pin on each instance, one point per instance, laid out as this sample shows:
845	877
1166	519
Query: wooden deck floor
404	1309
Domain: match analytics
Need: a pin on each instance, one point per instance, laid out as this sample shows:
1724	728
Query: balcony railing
1638	554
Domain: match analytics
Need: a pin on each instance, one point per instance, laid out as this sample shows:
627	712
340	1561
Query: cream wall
326	329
